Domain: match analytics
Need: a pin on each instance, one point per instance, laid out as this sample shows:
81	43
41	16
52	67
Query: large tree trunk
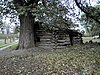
26	39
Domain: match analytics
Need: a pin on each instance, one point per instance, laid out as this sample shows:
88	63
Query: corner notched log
26	39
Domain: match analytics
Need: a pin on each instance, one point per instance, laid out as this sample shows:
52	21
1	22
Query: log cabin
56	38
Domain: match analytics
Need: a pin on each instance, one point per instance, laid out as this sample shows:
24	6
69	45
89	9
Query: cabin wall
60	39
56	39
77	39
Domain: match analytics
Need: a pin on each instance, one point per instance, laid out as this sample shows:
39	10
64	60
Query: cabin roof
56	28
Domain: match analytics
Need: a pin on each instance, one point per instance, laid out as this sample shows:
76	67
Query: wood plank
46	47
46	44
63	44
45	40
61	41
46	37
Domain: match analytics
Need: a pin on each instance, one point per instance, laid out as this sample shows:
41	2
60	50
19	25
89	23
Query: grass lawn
2	43
76	60
87	39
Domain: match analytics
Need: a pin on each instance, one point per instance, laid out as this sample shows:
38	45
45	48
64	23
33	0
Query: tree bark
99	35
26	38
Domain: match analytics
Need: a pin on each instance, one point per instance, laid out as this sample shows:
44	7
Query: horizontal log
40	30
59	47
46	44
61	41
76	39
45	40
63	44
46	47
46	37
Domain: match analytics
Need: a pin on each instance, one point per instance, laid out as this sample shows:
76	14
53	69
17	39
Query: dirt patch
9	52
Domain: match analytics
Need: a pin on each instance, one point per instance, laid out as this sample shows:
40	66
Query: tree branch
86	12
25	3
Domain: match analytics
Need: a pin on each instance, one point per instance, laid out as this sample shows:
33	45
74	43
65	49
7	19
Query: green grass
96	40
8	37
2	43
76	60
87	39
